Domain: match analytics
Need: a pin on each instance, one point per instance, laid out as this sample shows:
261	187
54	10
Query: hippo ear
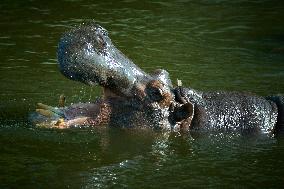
184	112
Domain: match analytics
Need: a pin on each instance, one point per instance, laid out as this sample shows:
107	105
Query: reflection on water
209	45
103	158
205	162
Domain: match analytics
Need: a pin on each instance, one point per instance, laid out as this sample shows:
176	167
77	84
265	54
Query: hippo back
232	111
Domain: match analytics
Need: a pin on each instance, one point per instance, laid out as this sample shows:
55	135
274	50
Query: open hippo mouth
132	98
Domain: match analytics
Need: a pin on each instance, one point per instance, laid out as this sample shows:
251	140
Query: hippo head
135	98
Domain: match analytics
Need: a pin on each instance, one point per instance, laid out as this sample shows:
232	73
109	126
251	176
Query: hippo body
133	98
231	111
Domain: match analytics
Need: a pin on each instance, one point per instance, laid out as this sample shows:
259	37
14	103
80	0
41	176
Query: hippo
133	98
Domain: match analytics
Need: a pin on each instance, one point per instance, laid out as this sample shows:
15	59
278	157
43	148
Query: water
209	45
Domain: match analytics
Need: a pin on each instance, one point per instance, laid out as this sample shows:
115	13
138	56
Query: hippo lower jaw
96	113
110	109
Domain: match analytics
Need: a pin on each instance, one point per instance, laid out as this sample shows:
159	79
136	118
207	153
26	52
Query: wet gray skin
133	98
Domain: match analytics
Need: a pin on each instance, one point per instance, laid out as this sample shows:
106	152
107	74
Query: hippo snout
86	54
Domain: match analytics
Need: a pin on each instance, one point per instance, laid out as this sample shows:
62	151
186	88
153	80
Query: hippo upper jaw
86	54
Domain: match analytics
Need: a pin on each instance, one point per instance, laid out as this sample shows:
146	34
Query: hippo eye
154	93
153	90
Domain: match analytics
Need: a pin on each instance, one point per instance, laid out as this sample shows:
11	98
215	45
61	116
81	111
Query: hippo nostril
101	43
105	33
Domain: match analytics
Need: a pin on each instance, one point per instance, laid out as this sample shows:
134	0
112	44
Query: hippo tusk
45	109
46	113
62	99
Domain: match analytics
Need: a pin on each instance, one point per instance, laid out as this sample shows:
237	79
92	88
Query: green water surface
208	44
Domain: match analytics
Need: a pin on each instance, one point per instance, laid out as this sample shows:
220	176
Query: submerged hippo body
233	111
133	98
